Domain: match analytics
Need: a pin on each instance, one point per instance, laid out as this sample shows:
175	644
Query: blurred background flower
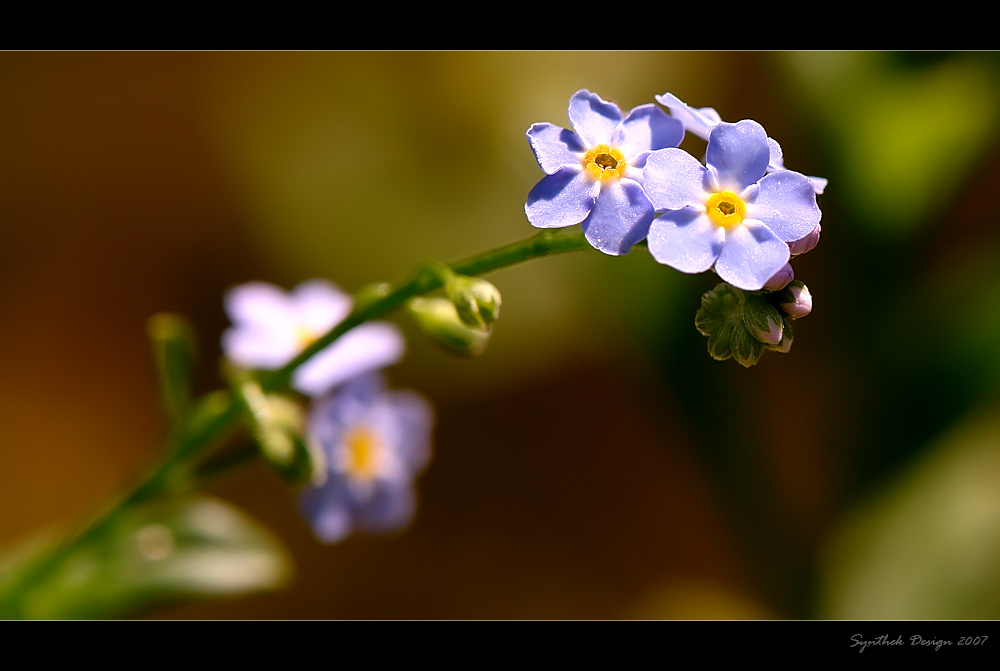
594	462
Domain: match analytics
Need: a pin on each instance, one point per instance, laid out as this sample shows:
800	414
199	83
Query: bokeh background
595	462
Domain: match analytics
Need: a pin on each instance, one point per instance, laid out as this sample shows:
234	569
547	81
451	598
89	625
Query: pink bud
772	337
801	303
780	279
805	244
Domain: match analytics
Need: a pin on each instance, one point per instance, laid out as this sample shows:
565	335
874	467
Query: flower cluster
624	178
367	443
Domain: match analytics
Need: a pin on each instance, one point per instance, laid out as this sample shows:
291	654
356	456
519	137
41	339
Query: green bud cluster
461	321
276	424
742	325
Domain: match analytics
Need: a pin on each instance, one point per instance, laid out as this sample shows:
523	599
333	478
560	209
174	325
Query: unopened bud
772	336
476	301
276	423
803	245
785	344
780	279
439	319
795	300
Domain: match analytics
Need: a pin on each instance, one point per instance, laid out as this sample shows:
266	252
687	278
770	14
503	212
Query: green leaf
158	554
722	317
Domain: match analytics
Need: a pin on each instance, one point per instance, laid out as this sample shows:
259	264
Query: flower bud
780	279
476	301
803	245
774	332
276	423
438	318
785	344
174	354
795	300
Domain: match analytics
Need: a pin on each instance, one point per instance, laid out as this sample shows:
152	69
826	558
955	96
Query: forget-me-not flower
701	120
270	327
593	173
730	213
374	442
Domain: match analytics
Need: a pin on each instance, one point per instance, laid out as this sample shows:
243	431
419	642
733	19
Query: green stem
218	414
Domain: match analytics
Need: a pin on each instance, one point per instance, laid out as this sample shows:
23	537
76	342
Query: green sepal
174	350
277	425
761	319
476	301
736	322
438	319
787	336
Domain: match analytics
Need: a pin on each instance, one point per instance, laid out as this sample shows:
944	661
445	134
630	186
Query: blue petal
645	129
328	509
390	508
674	179
405	420
739	152
776	159
620	218
561	199
363	349
686	240
786	203
593	118
699	122
751	255
554	147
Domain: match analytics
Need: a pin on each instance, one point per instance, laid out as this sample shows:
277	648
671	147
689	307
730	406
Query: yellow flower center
726	208
362	453
304	336
604	162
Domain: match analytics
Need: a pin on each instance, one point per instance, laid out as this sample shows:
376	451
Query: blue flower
700	121
270	327
730	214
374	443
593	174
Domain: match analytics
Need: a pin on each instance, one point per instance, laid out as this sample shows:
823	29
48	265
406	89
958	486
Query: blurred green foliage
155	555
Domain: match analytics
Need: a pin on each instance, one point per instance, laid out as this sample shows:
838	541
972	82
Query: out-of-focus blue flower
700	121
374	442
593	174
730	214
270	327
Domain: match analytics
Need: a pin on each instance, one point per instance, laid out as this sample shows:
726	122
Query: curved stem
217	414
426	279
